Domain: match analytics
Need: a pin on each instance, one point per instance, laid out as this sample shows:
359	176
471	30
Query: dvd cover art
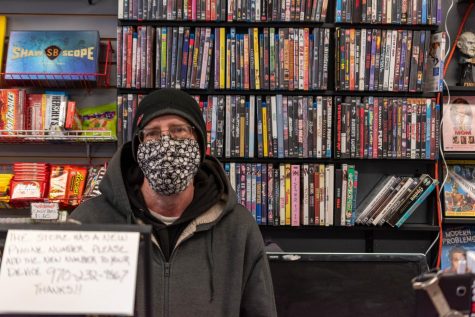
66	54
459	190
435	63
456	241
458	129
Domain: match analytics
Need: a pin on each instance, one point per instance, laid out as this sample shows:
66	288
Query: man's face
168	154
466	44
456	258
460	110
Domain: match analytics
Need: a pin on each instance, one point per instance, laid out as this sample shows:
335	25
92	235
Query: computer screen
345	284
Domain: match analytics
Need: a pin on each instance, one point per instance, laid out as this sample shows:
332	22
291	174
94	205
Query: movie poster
456	241
459	189
458	127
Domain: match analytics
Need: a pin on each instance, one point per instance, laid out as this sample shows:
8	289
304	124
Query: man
466	45
457	257
209	257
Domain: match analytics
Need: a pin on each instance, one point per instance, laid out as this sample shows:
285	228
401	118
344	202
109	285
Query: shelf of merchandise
276	24
21	211
88	81
262	92
421	231
55	136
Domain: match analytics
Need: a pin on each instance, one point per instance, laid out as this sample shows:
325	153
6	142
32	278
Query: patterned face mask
169	165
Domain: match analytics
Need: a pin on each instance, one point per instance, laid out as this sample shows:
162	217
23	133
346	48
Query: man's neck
168	206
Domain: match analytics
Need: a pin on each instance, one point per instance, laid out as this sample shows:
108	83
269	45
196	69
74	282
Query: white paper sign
77	272
44	211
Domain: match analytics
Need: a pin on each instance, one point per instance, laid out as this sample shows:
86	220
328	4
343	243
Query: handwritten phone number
60	275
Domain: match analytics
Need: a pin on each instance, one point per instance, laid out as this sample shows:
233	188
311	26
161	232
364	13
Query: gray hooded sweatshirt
218	266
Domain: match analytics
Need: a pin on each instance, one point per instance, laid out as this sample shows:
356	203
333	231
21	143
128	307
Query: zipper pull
167	269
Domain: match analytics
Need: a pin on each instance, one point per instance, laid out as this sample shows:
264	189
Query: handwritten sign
77	272
44	211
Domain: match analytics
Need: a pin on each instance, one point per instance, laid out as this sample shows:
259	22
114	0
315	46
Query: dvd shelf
262	52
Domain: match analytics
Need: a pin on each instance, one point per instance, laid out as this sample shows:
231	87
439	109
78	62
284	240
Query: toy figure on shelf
466	45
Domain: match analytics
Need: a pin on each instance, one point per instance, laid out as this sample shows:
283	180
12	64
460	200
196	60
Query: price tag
44	211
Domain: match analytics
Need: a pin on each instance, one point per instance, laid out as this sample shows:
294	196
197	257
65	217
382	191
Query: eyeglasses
179	132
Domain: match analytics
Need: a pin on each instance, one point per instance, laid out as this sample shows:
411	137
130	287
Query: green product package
102	118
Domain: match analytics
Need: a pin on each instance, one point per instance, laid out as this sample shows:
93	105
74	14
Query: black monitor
144	260
345	284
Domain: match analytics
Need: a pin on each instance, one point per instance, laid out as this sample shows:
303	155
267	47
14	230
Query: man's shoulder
95	210
241	211
241	216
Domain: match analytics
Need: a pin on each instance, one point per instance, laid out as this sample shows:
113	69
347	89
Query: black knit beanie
169	102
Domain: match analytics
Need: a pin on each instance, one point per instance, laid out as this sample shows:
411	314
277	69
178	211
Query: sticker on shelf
45	211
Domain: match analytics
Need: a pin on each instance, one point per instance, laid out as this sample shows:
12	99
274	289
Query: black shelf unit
459	220
263	92
417	235
405	227
362	238
15	213
296	160
460	90
269	24
459	155
224	24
